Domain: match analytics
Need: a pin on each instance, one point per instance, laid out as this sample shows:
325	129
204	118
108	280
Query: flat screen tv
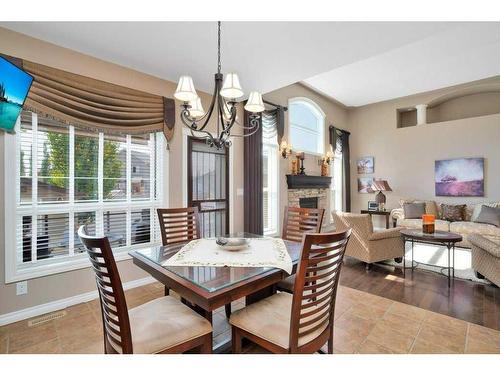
14	86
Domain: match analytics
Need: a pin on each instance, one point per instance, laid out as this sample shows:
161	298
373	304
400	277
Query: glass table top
212	278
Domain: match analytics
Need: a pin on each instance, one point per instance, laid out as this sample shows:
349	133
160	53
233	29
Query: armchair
365	244
485	258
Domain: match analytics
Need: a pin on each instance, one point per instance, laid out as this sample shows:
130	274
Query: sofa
464	228
485	258
365	244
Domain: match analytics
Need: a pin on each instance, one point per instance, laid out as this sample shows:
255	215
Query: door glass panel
208	187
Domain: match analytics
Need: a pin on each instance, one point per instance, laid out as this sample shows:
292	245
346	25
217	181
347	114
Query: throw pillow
453	212
478	207
414	210
489	215
431	208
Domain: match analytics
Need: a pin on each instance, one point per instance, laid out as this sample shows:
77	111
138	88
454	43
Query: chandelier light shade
196	109
185	91
223	106
231	89
255	103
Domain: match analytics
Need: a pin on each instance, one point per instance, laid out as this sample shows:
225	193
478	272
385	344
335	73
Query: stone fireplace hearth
306	187
294	196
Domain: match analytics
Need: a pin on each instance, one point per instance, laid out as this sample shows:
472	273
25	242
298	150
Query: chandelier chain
219	67
224	110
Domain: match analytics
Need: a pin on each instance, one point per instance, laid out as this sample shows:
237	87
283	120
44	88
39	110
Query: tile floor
364	323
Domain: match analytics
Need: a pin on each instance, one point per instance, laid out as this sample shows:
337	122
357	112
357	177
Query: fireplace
308	202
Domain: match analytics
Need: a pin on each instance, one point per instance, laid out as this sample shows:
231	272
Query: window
270	178
336	185
65	178
306	126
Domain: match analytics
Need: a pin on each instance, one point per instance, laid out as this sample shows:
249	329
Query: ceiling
354	62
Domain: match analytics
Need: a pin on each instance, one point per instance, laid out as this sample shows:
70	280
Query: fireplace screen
311	202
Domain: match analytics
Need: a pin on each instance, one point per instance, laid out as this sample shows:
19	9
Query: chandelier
224	101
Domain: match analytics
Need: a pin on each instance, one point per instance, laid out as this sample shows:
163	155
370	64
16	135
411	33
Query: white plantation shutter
270	181
112	184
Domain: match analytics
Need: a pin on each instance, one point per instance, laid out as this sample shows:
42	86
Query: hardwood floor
466	300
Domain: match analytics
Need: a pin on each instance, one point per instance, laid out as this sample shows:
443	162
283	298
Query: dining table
207	288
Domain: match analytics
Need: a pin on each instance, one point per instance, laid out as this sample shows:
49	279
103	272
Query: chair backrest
298	221
315	290
179	224
115	320
361	225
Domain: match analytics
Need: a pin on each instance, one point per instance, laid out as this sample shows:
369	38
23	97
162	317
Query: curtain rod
275	105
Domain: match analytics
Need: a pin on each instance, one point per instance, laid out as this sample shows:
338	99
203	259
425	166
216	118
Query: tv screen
14	86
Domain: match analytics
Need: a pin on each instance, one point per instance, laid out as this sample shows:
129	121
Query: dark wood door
208	186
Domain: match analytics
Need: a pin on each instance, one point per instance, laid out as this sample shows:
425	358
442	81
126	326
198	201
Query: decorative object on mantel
365	165
285	149
301	156
380	186
223	101
307	182
462	177
295	168
325	170
365	185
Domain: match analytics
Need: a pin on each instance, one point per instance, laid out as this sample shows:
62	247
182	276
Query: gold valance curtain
94	104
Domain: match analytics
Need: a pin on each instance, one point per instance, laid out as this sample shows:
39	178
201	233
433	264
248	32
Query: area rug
436	257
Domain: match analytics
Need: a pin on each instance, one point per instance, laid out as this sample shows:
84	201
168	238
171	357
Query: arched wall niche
468	102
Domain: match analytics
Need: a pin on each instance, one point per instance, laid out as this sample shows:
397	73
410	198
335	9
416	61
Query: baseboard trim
60	304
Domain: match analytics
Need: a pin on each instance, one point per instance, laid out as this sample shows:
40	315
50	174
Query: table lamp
380	186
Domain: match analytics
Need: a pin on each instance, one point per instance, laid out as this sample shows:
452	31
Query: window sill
61	266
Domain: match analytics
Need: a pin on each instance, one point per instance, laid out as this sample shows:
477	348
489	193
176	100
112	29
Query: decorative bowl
232	244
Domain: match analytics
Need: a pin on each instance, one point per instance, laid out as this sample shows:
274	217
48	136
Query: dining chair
301	322
296	222
179	225
163	325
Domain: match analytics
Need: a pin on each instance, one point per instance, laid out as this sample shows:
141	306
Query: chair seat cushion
163	323
287	284
270	319
469	227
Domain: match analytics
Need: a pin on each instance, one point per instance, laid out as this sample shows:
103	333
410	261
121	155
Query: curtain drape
339	139
96	105
253	184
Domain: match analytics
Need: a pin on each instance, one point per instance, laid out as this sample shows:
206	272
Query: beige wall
335	113
405	156
54	287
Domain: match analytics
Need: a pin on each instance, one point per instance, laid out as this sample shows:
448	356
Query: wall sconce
327	158
285	149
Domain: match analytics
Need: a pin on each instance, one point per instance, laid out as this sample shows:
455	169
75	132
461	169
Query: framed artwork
365	184
462	177
366	165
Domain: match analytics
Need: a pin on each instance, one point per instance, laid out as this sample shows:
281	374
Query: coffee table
439	237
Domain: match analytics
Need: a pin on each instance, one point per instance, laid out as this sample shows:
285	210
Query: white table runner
262	252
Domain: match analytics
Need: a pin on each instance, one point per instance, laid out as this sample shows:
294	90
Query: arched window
306	126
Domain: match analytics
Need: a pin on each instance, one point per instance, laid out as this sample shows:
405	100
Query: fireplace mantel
307	182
